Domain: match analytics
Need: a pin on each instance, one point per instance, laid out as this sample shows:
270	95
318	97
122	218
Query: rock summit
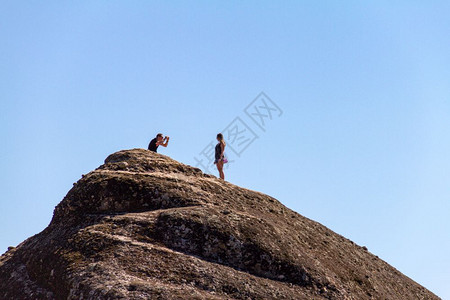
144	226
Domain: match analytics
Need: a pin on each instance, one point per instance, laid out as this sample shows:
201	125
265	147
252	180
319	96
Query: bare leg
220	169
222	175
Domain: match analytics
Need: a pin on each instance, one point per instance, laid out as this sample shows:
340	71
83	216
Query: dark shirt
218	151
152	146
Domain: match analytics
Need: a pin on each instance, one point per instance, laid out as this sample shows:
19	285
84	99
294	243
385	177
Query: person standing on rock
158	141
219	155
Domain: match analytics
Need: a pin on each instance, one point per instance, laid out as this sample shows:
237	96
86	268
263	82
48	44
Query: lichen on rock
144	226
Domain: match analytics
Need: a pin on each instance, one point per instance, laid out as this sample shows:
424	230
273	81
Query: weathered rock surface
143	226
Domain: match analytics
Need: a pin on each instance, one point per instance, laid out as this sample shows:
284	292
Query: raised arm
167	142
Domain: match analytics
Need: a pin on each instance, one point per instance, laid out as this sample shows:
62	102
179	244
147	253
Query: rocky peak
144	226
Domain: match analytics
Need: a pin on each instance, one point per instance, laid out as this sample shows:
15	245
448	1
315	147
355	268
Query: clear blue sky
362	145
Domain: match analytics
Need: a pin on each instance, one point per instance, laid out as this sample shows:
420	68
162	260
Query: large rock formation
143	226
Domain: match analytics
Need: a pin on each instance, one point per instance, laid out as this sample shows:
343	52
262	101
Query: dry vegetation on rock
143	226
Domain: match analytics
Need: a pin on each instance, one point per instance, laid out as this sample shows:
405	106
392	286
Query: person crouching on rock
158	141
220	158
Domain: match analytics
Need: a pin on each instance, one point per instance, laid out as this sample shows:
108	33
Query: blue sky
361	146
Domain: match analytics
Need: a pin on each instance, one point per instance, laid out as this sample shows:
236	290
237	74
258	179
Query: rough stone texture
143	226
